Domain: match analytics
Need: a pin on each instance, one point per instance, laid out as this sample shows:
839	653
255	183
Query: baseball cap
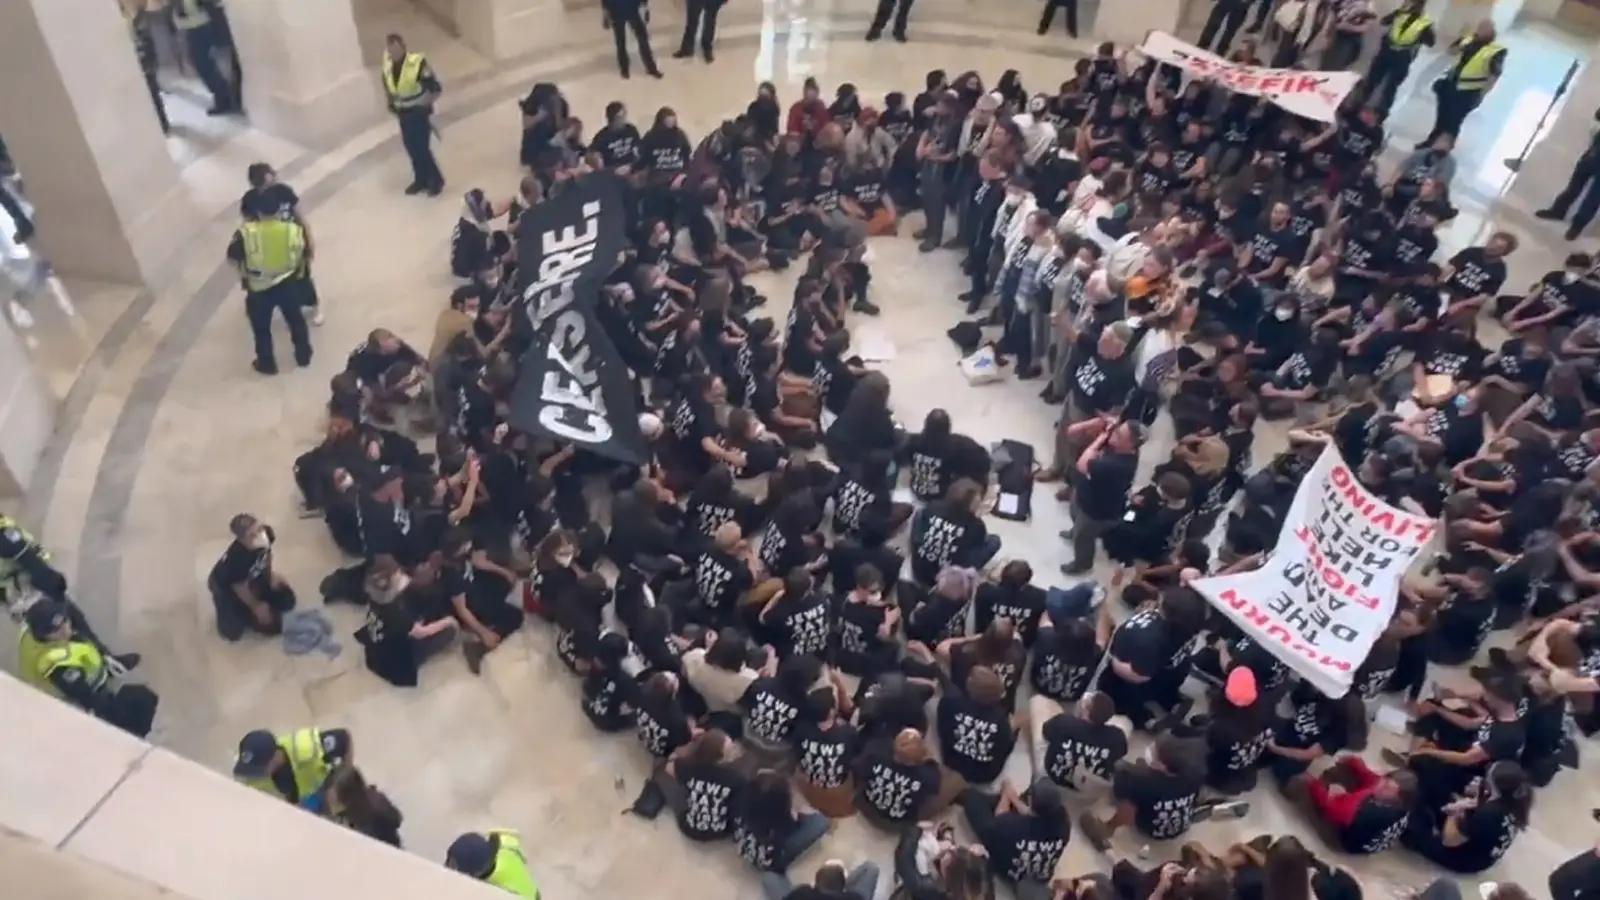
471	854
1240	688
45	617
256	751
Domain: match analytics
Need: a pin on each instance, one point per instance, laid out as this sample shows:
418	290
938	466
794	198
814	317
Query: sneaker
128	661
866	307
1030	373
316	315
1550	214
969	296
710	57
302	359
654	73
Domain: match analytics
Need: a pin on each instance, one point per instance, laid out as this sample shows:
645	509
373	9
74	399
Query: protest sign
1314	95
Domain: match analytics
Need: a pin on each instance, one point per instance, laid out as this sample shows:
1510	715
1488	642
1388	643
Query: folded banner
1314	95
1329	587
573	385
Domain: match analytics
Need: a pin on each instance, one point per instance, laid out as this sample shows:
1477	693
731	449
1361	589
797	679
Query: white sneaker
20	316
316	316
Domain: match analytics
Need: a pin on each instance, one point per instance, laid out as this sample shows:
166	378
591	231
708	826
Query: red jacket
807	118
1339	810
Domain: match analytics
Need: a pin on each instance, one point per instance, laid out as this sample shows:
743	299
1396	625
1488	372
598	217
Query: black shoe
1073	32
414	188
1076	568
1041	31
474	651
220	110
927	246
625	74
1550	213
683	53
1030	373
1573	232
710	57
303	359
265	368
969	296
654	73
874	34
1255	29
900	36
435	190
128	661
866	307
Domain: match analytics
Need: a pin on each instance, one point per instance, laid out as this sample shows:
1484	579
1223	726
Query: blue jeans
1065	604
979	556
808	830
861	881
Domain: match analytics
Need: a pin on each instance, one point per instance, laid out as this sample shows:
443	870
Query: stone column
1126	22
508	28
27	414
303	75
1548	165
80	125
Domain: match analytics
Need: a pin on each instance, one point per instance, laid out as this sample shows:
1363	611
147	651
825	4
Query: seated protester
401	631
936	457
1364	257
975	728
1473	831
1455	428
772	705
642	533
470	243
826	744
1463	615
1081	747
1513	373
608	690
245	590
1474	276
1302	377
1558	409
1065	655
703	787
715	501
1159	796
579	616
998	648
1277	335
1024	834
771	833
800	616
1267	255
891	703
1315	727
1547	748
1228	306
720	672
868	548
1457	739
692	422
834	379
1560	298
865	493
789	541
865	644
898	782
1237	731
782	402
867	198
343	447
951	533
865	432
1150	652
659	719
724	574
1446	364
1355	808
753	449
477	588
934	615
1156	521
372	360
1014	596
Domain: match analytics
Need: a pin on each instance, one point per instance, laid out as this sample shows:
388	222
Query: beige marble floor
178	436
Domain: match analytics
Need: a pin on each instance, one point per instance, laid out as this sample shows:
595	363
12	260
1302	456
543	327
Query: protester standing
412	88
1479	60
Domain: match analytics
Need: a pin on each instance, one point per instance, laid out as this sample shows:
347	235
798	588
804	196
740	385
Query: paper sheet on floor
876	348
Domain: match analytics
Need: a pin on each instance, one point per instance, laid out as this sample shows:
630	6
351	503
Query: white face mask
1569	277
1283	315
413	390
564	559
344	482
1013	199
260	542
1079	265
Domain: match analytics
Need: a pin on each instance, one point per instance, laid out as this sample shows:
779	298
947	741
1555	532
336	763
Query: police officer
270	254
495	857
1479	60
1406	30
699	18
1583	188
54	658
144	46
412	88
280	200
205	31
26	576
295	766
901	10
629	15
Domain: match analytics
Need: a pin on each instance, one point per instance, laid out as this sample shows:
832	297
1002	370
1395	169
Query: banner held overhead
1314	95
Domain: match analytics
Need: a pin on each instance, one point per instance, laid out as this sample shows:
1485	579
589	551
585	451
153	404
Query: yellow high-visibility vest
510	872
1403	35
274	251
39	661
1475	71
406	89
307	762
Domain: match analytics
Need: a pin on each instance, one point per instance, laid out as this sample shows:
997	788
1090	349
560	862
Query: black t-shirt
805	621
1414	247
1489	830
867	192
1103	493
662	727
1058	676
274	201
1023	847
1375	828
1101	385
770	715
606	700
1513	363
1461	627
1232	756
1142	641
1076	749
947	534
782	550
1023	605
1457	356
1163	802
860	650
711	796
825	755
894	790
244	565
1473	273
975	739
1501	740
617	145
1266	245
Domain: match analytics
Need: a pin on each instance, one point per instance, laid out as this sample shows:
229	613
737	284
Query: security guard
54	658
1583	188
412	88
270	254
295	766
140	25
280	199
495	857
1479	60
1406	30
205	31
27	577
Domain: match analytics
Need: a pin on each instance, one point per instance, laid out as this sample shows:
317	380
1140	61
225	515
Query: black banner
573	385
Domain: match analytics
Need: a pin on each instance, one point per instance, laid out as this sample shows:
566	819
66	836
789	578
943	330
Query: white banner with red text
1314	95
1329	587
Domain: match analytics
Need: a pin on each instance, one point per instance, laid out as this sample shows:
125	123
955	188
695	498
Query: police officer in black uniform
279	200
901	9
624	15
1583	188
78	670
26	575
411	87
700	17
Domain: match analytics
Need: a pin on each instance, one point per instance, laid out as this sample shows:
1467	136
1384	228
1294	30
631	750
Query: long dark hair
1510	784
767	812
1285	873
869	399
